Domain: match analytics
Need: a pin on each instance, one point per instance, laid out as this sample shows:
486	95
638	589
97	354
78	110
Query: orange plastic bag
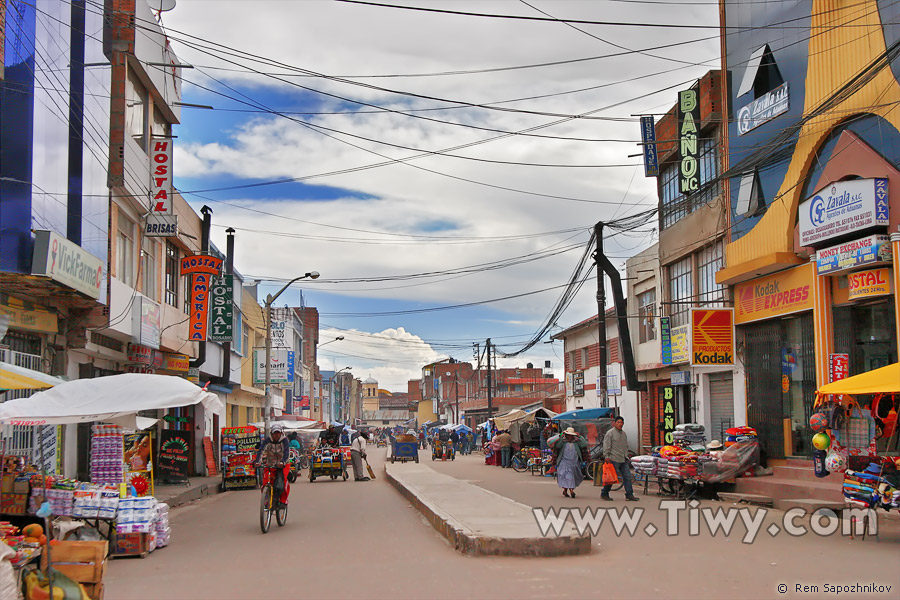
610	477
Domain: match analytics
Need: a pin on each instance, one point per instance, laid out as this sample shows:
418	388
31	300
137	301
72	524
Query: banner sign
59	259
578	383
613	384
648	141
18	314
681	337
140	355
174	450
842	208
780	294
665	339
689	141
279	340
668	420
764	108
161	176
857	253
838	367
146	322
712	336
139	462
176	362
202	267
222	310
281	368
868	284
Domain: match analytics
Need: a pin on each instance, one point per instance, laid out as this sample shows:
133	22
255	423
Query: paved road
363	540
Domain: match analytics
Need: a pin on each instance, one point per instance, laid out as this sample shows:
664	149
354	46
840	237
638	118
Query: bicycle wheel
304	462
281	515
519	464
265	508
591	469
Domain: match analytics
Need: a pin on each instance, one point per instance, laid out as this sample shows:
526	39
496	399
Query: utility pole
456	393
601	316
490	392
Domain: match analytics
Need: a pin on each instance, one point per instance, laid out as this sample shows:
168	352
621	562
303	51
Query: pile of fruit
26	542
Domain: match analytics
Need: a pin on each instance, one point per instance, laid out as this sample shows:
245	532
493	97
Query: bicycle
267	502
519	461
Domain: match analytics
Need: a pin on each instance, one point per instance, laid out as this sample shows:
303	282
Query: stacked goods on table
739	434
26	542
689	434
644	465
107	454
15	485
136	515
59	492
161	525
871	488
92	501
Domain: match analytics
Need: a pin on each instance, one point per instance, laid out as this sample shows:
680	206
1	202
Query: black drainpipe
229	270
204	249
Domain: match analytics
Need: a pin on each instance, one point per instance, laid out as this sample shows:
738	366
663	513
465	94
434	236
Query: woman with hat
569	451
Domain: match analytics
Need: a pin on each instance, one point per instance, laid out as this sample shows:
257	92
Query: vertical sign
668	409
202	267
665	338
161	176
838	367
221	318
648	141
689	141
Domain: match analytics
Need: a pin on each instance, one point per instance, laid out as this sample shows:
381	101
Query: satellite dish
161	5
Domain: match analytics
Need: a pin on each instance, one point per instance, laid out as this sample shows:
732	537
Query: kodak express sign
712	336
867	284
775	295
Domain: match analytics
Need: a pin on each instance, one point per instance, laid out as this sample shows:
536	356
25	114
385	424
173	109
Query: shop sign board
841	208
140	355
613	382
681	342
193	374
222	310
159	225
20	317
174	451
680	377
176	362
856	253
689	141
648	141
578	383
868	284
668	420
63	261
764	108
665	340
161	176
281	368
146	322
838	367
712	336
780	294
279	339
202	268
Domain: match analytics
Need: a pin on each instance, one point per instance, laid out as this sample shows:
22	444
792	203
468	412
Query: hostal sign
202	268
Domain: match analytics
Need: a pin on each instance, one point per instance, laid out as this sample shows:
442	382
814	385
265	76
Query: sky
426	152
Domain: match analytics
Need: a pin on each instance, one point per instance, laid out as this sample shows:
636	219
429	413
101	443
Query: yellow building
370	395
247	402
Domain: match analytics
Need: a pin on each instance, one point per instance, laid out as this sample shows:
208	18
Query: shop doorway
721	404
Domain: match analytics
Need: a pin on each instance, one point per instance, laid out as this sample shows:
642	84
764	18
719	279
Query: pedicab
443	449
327	461
405	448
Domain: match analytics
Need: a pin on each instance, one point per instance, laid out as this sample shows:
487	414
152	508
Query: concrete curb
192	493
477	544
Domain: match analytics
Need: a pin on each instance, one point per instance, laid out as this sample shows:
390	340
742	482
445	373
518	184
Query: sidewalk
198	487
477	521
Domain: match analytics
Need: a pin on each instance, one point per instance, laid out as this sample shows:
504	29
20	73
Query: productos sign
712	336
842	208
65	262
780	294
689	140
866	284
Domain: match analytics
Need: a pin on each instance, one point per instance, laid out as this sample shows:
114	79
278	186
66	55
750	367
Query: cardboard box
83	562
131	544
21	487
7	483
14	504
94	590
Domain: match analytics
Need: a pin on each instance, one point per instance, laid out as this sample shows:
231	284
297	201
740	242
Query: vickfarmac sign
712	336
63	261
689	141
842	208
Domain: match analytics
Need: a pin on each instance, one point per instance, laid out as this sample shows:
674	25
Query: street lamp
269	300
333	377
337	339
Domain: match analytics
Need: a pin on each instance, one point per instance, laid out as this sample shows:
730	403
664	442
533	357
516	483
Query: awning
14	377
503	421
885	380
586	413
116	398
289	425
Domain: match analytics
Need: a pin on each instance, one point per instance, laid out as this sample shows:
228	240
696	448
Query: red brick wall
710	111
122	36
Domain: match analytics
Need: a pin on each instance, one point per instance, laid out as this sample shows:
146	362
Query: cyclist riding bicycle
273	454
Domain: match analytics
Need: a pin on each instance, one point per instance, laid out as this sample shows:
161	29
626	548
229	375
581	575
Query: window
171	274
646	316
186	283
136	109
676	206
572	366
148	271
125	250
159	127
246	337
709	261
249	415
584	358
238	345
681	292
234	416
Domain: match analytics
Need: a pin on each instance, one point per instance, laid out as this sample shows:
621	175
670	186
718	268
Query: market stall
856	433
240	445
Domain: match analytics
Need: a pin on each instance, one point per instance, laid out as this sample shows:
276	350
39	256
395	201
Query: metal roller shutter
721	404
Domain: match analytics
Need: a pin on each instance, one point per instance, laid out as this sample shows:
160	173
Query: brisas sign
842	208
689	140
63	261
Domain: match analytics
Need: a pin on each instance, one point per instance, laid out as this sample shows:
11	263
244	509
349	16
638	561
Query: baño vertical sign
200	269
689	141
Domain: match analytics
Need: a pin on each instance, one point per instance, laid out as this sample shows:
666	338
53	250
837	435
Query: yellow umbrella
13	377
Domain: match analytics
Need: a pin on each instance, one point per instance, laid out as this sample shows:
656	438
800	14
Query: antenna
161	5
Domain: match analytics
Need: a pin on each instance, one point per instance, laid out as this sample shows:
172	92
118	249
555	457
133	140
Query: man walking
454	439
505	442
615	451
357	454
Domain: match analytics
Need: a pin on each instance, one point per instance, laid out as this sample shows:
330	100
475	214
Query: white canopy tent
289	425
114	399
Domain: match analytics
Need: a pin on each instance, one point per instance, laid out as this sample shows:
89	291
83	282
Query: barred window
681	292
171	274
676	206
709	261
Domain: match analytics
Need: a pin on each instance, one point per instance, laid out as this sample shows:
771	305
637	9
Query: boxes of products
131	544
14	504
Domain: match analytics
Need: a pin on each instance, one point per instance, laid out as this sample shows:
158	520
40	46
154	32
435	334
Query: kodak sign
867	284
712	336
200	269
